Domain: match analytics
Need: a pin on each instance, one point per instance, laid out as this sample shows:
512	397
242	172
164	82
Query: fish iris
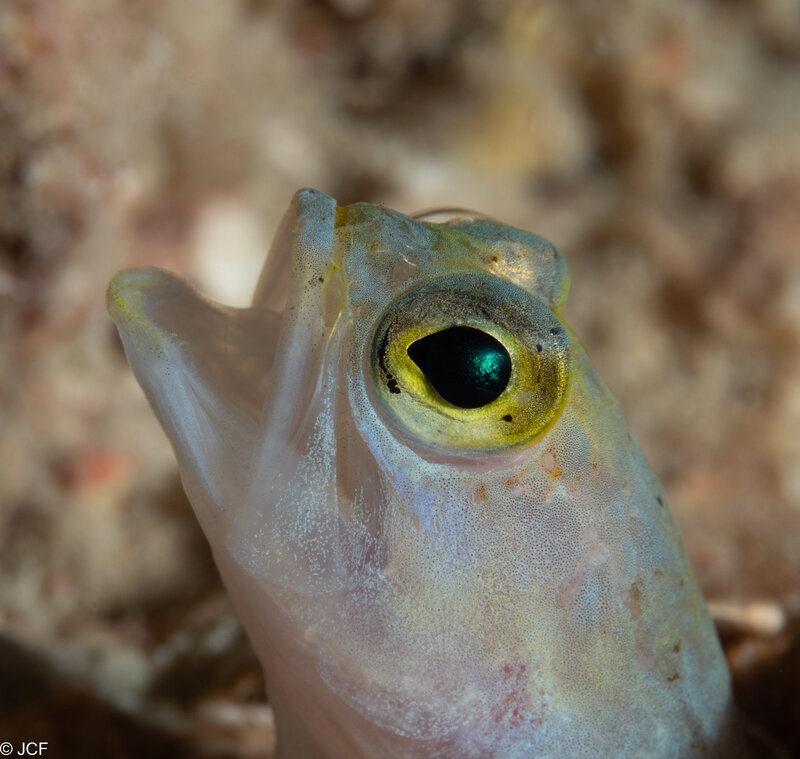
470	363
467	367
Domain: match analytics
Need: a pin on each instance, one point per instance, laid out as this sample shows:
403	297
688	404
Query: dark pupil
467	367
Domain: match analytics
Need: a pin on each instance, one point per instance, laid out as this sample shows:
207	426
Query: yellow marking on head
125	302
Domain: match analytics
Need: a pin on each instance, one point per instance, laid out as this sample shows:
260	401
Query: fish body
429	511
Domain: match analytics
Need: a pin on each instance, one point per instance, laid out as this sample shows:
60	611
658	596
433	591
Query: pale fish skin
422	595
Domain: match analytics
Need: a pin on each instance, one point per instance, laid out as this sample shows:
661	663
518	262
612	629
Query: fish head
427	506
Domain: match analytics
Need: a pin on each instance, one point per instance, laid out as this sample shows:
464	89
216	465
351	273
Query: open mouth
225	382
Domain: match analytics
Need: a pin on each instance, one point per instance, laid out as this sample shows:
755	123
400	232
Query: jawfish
428	509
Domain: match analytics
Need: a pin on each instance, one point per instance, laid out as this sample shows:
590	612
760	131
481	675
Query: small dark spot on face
673	678
538	347
494	258
676	649
660	500
321	279
392	385
554	330
683	582
507	418
634	600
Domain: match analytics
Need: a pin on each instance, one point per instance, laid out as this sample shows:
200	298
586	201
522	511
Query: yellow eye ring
489	323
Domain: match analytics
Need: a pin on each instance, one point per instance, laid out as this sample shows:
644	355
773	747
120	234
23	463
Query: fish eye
467	367
470	362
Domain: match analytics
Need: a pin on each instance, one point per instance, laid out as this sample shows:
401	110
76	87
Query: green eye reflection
466	366
470	362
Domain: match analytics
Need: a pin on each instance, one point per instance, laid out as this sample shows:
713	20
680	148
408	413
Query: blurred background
657	144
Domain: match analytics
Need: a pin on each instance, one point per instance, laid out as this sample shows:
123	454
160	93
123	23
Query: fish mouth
220	379
238	355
